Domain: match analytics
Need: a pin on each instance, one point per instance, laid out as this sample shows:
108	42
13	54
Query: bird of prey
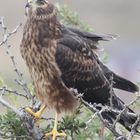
60	58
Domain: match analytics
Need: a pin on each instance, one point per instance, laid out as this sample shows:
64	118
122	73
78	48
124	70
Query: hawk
60	58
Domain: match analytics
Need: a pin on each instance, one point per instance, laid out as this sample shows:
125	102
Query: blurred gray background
120	17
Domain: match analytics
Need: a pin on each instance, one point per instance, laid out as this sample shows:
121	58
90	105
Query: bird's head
40	10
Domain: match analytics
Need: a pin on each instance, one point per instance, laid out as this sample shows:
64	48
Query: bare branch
6	104
4	89
20	80
6	36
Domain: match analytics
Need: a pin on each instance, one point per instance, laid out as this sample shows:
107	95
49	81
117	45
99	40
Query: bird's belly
42	68
42	80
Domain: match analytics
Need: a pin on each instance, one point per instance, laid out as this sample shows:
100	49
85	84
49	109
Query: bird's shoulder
72	41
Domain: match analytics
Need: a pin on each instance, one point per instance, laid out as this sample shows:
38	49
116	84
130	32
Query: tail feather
119	82
127	118
124	84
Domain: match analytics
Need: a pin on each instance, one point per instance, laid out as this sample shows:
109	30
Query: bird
60	58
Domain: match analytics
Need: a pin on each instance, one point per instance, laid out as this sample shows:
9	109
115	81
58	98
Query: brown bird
38	48
60	58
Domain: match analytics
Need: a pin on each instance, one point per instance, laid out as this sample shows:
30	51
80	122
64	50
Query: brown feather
40	59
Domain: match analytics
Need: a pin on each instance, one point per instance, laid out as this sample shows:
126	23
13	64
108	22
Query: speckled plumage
60	58
38	48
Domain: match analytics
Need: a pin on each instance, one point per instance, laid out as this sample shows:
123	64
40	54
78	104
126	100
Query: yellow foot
54	133
36	115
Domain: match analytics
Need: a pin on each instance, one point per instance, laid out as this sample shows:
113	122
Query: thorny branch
20	80
98	112
112	127
29	122
125	109
6	36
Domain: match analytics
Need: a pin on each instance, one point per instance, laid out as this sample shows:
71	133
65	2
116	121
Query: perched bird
60	58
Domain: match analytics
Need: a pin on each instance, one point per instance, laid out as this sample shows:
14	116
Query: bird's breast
42	66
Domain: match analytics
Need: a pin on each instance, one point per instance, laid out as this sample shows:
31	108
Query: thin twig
4	89
6	36
20	80
125	109
6	104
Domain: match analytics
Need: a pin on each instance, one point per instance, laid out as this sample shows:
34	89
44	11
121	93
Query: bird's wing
78	64
92	38
92	41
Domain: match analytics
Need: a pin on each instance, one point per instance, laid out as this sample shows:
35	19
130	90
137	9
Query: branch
28	121
20	80
6	36
4	90
93	108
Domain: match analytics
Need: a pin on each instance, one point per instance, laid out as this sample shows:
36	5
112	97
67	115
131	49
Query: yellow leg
37	115
54	133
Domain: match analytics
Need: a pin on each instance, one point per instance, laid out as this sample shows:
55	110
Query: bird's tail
118	81
117	109
124	84
124	115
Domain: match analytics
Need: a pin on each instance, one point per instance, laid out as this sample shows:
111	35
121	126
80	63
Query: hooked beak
27	6
28	3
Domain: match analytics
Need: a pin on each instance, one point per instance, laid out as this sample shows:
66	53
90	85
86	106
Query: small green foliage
73	124
109	135
12	127
77	127
70	18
